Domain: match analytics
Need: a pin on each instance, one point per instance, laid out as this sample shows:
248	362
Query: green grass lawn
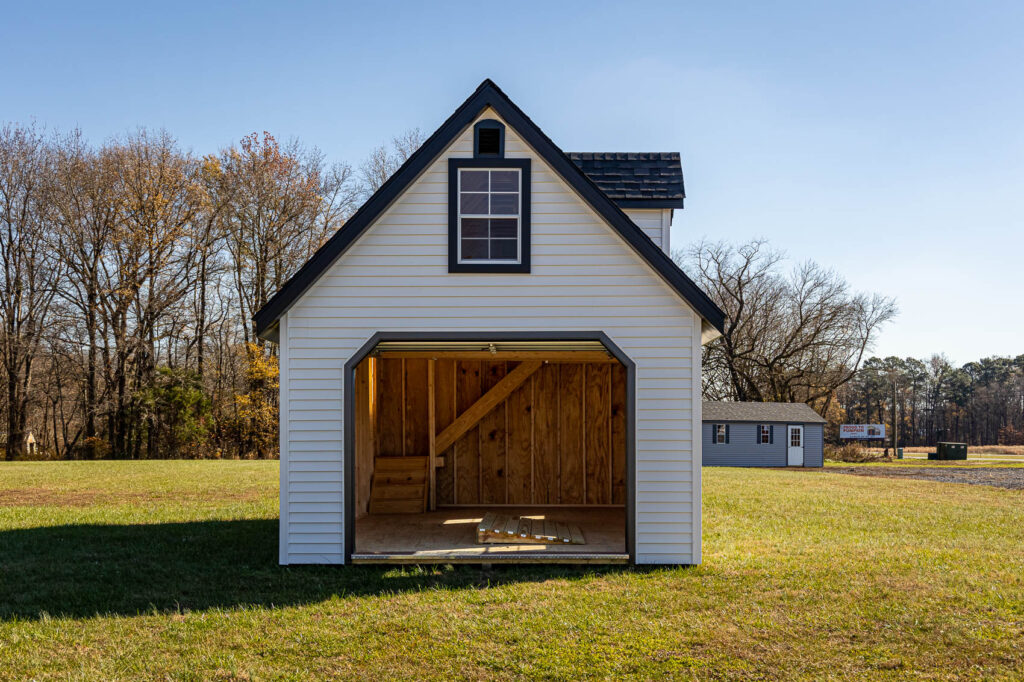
167	570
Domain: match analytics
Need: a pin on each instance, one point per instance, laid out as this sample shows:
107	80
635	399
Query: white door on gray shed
796	445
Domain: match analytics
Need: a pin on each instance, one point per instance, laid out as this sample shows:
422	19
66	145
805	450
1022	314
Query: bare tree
130	272
162	200
87	207
30	270
275	201
794	336
386	159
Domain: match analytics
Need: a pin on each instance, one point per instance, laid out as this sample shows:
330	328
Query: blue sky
883	139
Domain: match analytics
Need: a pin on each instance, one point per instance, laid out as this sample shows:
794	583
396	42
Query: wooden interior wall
366	430
559	438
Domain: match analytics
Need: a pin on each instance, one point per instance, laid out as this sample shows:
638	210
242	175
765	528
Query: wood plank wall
366	429
560	438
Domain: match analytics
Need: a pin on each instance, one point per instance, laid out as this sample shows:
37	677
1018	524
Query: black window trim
454	165
490	124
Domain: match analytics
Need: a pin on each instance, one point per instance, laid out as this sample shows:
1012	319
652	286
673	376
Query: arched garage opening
489	448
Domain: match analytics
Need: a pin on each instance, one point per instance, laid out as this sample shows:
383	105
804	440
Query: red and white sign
862	431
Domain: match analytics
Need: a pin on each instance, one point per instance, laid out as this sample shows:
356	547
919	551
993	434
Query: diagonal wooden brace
478	410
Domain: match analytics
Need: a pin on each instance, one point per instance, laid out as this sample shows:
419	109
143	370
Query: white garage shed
495	360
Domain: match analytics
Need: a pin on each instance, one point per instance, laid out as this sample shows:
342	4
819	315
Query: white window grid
500	216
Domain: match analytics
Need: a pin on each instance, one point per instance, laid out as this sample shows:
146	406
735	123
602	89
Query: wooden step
394	478
399	485
389	464
402	491
501	528
396	506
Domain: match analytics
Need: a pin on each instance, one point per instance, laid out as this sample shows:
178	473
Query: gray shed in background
762	435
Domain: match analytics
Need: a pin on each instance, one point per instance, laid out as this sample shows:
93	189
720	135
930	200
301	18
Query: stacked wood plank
504	529
399	485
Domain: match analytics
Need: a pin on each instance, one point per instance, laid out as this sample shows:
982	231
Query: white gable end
584	276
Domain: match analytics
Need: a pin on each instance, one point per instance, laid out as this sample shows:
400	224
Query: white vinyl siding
584	277
655	222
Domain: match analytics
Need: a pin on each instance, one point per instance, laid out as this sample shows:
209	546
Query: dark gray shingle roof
796	413
635	178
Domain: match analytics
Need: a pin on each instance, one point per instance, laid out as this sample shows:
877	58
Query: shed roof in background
760	412
635	179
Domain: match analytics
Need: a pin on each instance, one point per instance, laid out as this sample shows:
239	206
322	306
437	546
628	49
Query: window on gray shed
764	434
721	434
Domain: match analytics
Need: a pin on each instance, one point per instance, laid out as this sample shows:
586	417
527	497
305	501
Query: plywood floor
450	534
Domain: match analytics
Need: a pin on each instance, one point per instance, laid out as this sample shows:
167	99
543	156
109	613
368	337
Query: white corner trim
283	420
696	450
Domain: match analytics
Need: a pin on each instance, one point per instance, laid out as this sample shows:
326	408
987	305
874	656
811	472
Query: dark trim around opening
523	265
489	124
348	456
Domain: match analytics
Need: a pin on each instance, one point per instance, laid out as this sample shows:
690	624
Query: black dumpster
949	451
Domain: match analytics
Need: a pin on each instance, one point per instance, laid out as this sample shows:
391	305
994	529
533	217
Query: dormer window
489	215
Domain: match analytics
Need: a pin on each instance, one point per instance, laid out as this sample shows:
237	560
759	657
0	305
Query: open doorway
478	451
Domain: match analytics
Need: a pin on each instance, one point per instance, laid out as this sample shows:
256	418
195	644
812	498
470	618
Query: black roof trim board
487	94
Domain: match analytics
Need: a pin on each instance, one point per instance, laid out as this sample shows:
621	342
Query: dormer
647	186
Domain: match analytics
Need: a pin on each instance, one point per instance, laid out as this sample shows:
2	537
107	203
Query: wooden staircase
399	485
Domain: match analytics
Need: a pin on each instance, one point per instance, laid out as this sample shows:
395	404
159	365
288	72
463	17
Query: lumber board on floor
500	528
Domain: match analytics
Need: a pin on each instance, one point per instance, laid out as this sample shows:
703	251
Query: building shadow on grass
85	570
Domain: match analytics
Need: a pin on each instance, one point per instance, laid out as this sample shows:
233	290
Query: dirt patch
1000	477
42	497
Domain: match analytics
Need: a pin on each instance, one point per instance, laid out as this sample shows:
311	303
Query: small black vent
488	142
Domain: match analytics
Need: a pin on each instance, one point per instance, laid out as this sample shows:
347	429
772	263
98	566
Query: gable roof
635	179
760	412
486	95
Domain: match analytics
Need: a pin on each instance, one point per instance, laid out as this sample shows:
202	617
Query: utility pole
895	421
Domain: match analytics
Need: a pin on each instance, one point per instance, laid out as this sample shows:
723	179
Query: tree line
979	403
130	272
802	334
792	334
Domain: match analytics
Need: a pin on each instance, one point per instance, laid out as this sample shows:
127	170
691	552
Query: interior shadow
84	570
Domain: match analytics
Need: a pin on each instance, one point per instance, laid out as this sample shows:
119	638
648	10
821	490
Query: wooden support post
432	437
478	410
